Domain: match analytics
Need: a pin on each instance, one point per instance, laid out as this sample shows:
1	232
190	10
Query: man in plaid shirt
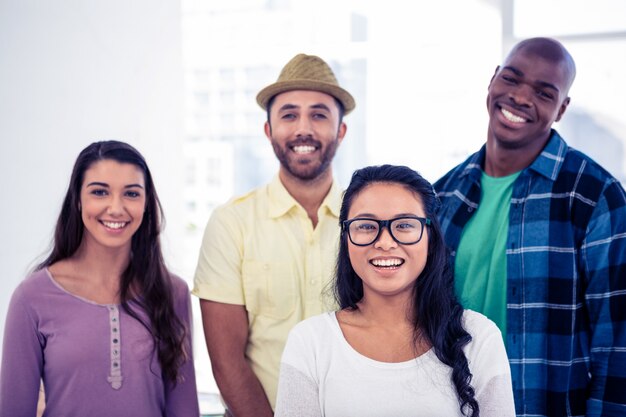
537	232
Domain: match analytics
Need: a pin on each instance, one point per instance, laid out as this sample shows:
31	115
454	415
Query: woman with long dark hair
401	344
101	321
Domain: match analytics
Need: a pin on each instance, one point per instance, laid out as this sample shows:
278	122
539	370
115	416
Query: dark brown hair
146	273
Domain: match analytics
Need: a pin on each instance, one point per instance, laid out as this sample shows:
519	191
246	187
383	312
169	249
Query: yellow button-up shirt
261	250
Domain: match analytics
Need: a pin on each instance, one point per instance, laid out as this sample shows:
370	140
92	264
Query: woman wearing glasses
401	344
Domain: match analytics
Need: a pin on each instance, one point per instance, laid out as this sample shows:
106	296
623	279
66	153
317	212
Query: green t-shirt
480	265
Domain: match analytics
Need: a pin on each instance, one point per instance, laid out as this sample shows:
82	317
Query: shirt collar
474	169
280	201
548	162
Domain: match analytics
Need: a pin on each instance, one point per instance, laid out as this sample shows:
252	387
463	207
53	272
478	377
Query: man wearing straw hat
267	255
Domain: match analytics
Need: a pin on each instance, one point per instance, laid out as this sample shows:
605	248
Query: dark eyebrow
374	217
513	70
519	73
321	106
98	184
548	85
105	185
288	107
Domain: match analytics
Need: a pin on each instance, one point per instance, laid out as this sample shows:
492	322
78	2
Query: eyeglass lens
404	230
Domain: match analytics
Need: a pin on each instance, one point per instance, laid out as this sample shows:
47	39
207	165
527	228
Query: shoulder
33	294
590	182
309	339
37	277
486	352
578	162
313	327
238	210
243	201
178	283
451	178
181	298
179	286
582	172
34	284
479	326
310	333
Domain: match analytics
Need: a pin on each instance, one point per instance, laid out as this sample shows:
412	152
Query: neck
501	161
308	193
100	263
386	311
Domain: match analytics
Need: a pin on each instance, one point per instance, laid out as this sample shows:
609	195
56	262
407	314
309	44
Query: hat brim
266	94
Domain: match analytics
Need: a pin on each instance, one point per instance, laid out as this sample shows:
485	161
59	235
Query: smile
387	263
303	149
512	117
114	225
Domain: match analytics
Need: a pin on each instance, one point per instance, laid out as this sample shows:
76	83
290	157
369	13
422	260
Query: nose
116	206
521	94
304	127
385	241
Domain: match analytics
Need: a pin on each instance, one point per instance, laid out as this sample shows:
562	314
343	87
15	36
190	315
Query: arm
604	261
181	399
298	393
226	333
491	374
22	361
496	397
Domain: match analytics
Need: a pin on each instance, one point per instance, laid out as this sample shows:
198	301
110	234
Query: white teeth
511	117
114	225
387	262
303	149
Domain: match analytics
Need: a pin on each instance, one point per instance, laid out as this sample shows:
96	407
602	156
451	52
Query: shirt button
313	282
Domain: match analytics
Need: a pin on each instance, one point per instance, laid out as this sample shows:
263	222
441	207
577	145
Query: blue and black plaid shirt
566	279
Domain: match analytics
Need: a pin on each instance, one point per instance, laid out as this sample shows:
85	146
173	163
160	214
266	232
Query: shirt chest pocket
269	288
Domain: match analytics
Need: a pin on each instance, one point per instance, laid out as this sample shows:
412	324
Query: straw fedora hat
306	72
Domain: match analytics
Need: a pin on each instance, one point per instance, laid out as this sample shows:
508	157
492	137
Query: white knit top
322	375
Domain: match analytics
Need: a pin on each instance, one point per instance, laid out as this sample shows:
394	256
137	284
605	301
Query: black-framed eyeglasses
406	230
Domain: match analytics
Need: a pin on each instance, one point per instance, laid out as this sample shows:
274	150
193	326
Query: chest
421	390
85	338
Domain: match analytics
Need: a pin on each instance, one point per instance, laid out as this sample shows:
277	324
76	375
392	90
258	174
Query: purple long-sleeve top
95	359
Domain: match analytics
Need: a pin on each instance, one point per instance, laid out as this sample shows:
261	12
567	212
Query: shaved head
527	94
550	50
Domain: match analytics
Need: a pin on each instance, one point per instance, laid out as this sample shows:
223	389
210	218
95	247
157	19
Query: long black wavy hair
437	313
146	272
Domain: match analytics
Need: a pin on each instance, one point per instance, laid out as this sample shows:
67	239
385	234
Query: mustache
304	140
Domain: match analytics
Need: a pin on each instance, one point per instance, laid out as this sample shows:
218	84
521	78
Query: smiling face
386	267
527	94
305	132
112	201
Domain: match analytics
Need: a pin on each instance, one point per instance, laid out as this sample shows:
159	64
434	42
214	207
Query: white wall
73	72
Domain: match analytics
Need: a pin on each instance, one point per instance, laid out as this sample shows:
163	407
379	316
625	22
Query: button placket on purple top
115	378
